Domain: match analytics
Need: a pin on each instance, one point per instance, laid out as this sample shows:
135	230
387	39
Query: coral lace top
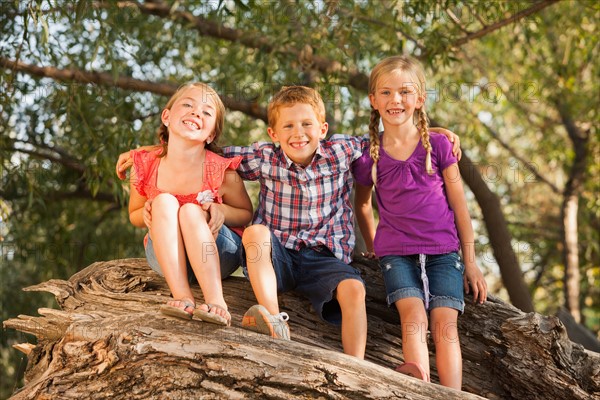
146	165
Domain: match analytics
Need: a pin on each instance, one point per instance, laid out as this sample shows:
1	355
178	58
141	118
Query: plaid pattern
305	207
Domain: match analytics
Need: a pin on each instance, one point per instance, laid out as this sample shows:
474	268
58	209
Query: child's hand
370	254
474	279
124	162
452	137
148	213
217	218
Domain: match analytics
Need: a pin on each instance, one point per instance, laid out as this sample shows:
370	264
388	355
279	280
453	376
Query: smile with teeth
298	145
395	111
192	124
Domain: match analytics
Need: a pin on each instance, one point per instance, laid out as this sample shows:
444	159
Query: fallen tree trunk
109	341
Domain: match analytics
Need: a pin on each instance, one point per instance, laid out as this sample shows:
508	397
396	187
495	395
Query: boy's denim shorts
229	247
313	272
444	279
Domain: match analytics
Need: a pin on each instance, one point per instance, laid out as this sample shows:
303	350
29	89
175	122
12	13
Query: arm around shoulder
453	138
125	161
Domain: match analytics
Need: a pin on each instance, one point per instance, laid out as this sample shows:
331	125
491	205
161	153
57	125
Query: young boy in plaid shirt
302	237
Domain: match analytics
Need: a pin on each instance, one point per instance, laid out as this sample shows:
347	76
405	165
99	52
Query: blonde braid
375	144
423	127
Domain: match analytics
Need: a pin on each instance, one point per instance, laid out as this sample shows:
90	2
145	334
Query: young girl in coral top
187	195
423	223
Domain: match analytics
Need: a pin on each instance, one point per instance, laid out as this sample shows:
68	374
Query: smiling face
298	131
396	96
193	114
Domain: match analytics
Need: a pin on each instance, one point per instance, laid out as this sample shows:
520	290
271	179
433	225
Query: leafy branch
123	82
502	23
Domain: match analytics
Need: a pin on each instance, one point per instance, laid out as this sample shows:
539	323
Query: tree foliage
83	81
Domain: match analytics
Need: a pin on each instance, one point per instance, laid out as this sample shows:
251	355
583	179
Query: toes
182	304
204	307
217	310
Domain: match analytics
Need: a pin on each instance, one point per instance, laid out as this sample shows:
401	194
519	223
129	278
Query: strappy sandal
207	316
178	312
413	369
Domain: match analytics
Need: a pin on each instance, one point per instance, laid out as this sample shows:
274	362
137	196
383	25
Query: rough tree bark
109	341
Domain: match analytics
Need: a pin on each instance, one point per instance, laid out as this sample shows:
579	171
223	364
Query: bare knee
256	234
444	325
193	213
351	292
257	244
412	314
164	203
165	199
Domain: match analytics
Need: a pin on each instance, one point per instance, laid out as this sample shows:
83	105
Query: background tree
518	81
536	117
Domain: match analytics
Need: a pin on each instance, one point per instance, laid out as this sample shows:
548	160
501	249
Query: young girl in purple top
423	220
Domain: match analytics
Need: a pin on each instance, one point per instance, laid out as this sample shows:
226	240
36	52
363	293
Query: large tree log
109	341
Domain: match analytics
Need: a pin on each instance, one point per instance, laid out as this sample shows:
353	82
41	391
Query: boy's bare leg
168	246
351	296
203	255
448	356
257	244
413	320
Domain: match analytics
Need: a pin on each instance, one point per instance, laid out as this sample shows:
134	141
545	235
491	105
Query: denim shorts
229	247
442	281
313	272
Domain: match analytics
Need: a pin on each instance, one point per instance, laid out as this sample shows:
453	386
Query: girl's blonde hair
163	131
391	65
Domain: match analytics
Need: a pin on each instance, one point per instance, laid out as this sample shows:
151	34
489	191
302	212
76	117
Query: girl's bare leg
203	255
169	248
413	319
448	357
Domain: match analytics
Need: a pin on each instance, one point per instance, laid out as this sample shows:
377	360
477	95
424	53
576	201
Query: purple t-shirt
414	214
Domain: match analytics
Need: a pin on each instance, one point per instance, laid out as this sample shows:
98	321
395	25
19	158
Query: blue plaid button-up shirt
305	206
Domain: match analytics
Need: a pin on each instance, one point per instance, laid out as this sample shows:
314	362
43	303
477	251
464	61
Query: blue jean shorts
313	272
229	247
442	281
